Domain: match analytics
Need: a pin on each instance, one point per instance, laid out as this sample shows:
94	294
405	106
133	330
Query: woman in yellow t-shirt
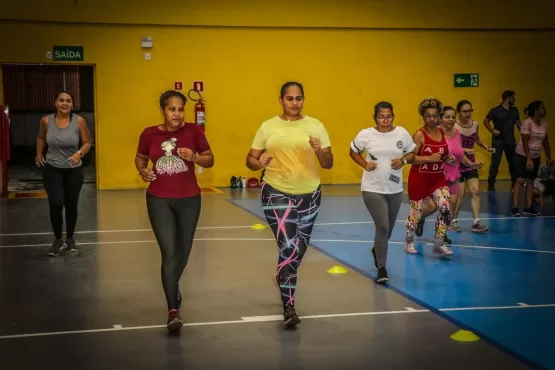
287	147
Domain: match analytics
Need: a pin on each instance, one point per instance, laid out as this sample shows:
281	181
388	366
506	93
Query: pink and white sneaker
409	247
174	321
442	250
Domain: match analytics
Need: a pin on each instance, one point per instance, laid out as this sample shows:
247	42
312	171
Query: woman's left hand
477	165
315	144
74	159
397	163
187	154
529	164
450	160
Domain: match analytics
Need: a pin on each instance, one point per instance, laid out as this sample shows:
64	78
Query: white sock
475	221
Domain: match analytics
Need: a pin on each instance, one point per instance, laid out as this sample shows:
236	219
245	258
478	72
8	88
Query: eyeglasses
385	118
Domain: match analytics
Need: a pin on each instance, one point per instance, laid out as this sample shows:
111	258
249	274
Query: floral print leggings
441	199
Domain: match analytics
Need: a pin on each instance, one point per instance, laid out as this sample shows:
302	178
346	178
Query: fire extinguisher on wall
200	109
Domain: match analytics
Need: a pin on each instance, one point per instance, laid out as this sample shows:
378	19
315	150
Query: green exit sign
68	53
467	80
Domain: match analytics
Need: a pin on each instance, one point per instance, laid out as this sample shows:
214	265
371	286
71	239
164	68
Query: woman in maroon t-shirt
173	197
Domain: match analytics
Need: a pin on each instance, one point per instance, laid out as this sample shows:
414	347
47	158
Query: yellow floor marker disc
465	336
337	270
258	227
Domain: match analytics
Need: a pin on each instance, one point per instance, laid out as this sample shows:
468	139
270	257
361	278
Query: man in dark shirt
504	117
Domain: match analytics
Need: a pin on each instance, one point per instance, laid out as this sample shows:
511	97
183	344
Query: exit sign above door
68	53
467	80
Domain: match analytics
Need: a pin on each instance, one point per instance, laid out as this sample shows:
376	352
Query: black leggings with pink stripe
291	218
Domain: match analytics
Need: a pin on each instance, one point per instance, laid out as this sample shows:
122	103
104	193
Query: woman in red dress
426	177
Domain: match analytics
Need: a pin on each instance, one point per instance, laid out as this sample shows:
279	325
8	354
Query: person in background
62	169
173	197
505	117
544	184
469	181
533	138
388	148
452	171
287	147
427	179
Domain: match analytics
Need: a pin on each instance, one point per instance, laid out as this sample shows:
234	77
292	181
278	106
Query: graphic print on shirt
432	167
170	164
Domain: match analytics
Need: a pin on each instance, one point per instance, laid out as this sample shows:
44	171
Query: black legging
174	222
291	218
63	186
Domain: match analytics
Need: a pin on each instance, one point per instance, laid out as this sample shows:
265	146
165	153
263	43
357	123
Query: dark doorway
30	91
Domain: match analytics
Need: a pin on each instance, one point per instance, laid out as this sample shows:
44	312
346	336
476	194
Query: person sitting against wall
62	169
173	197
287	147
533	138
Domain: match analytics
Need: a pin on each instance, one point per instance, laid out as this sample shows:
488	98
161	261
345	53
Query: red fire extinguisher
200	109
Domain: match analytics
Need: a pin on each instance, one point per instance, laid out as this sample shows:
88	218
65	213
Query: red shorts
421	186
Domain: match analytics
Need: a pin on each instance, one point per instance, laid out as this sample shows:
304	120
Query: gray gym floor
105	309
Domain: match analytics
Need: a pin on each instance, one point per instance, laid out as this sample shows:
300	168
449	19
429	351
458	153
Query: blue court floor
500	285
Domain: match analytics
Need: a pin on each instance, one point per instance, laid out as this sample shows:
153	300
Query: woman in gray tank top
62	168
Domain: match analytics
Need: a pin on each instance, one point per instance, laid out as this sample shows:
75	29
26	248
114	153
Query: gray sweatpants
384	209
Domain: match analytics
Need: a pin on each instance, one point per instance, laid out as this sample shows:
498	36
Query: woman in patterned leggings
452	173
426	177
287	147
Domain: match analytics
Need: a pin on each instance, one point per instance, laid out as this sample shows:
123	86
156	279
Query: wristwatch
80	153
404	161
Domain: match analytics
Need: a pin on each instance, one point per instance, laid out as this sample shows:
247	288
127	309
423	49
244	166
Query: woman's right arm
253	159
41	141
258	159
357	147
525	135
357	158
141	160
418	139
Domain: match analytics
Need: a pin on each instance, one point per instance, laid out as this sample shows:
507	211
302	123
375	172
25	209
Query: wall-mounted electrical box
146	42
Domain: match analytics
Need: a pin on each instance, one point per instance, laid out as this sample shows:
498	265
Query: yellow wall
291	13
345	72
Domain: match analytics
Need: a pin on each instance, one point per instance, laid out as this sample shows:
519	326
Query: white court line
249	226
450	245
262	318
125	230
489	308
271	239
270	318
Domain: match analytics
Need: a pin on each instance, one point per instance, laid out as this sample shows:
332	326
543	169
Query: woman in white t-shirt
388	148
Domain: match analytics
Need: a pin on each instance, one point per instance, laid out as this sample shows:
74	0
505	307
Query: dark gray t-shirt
62	142
504	120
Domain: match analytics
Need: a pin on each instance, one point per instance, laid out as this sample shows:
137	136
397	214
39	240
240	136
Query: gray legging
384	209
